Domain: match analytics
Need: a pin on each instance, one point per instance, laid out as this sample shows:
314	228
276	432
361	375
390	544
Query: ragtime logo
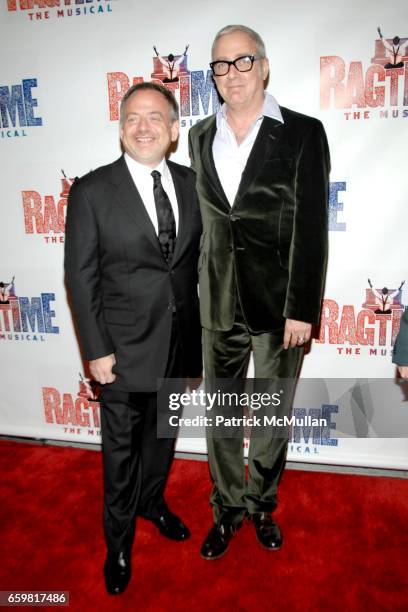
335	206
371	330
17	109
381	90
45	9
76	414
45	215
308	439
194	89
25	318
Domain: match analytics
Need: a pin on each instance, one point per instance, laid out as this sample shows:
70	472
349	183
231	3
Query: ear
175	127
265	68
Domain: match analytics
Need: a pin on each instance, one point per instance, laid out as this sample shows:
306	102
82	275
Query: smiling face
240	90
147	129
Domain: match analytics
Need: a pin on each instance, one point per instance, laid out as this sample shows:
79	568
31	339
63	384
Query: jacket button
234	218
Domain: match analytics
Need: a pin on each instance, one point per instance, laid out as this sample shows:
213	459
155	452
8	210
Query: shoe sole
276	548
213	558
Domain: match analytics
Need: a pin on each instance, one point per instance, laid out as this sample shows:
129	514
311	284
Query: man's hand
403	370
296	333
194	383
101	369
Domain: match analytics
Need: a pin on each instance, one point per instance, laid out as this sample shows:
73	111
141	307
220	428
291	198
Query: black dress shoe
267	531
217	541
117	572
171	526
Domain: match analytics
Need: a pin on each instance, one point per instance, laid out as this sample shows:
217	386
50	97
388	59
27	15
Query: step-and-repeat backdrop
66	65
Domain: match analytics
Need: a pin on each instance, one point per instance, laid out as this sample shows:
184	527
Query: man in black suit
132	236
262	181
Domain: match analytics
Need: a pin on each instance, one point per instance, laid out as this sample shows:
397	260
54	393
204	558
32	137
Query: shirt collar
270	109
138	169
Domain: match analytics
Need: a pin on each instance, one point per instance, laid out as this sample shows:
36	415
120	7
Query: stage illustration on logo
88	388
7	291
170	66
385	301
396	50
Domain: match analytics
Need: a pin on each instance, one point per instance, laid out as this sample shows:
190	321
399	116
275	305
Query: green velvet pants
226	356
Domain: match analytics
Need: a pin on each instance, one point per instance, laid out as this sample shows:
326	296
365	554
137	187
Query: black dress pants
135	461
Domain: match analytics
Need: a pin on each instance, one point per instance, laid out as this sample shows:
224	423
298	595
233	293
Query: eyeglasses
242	64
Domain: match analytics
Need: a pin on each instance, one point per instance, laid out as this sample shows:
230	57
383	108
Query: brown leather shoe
217	541
267	531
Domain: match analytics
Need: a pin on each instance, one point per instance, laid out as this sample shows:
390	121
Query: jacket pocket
119	317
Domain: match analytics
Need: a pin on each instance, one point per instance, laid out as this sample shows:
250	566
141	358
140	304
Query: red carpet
346	541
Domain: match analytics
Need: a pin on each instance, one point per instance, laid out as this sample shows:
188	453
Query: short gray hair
260	45
149	86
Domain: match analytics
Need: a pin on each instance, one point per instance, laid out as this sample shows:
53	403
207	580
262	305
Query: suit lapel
129	199
261	151
184	206
208	165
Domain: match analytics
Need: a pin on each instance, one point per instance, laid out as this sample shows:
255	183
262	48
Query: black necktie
165	218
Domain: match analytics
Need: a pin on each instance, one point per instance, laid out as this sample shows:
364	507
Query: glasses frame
230	63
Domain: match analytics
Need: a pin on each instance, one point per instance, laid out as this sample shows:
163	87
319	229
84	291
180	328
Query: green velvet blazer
270	247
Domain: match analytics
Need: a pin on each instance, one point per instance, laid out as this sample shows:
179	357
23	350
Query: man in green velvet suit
262	180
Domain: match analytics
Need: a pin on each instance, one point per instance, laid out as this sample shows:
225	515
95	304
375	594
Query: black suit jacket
270	247
123	291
